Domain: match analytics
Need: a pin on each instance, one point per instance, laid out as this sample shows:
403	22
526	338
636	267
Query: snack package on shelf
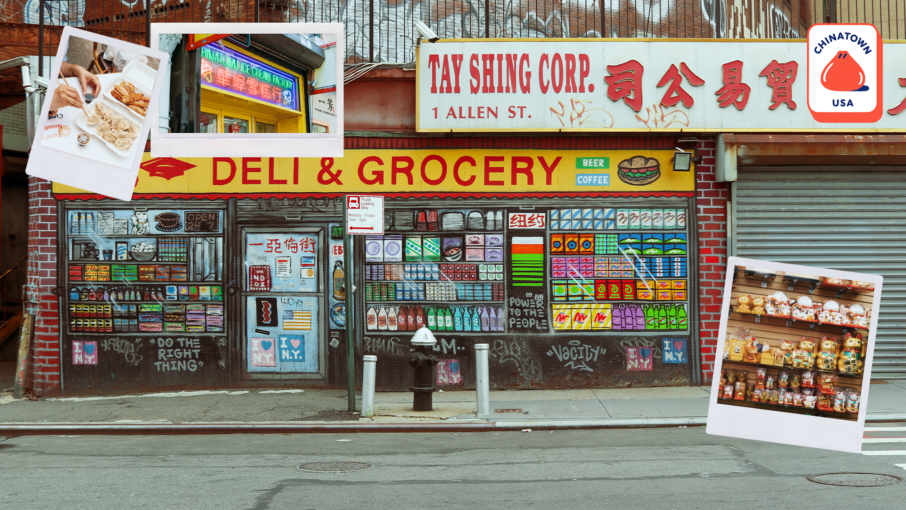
775	397
808	379
827	354
779	356
863	285
849	361
770	382
756	395
742	375
784	379
827	383
840	401
836	281
731	376
852	401
737	348
728	392
766	357
760	375
750	391
723	377
740	391
797	399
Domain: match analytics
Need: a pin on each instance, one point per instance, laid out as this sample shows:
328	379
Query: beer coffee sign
845	73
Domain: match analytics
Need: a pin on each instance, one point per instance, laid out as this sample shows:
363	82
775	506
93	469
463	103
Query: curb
12	429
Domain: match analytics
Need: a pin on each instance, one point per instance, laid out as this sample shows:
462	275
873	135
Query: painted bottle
493	319
448	319
371	319
457	319
382	319
661	318
639	315
649	318
681	322
617	319
431	319
419	318
476	320
392	316
401	319
485	320
339	281
671	317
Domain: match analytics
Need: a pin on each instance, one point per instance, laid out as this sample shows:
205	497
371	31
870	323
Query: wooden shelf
790	409
792	323
817	371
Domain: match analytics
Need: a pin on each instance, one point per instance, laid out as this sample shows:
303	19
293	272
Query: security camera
426	32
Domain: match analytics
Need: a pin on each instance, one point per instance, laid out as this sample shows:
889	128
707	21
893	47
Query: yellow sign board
424	172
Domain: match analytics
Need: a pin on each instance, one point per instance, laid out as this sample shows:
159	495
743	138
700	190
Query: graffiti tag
577	355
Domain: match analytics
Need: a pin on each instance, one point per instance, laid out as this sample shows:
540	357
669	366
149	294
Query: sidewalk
310	409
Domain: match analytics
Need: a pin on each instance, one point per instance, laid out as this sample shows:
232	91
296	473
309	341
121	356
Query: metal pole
831	11
41	38
487	18
350	318
371	35
482	383
148	23
368	376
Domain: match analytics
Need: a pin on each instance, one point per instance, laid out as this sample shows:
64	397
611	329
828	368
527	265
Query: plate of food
107	123
132	89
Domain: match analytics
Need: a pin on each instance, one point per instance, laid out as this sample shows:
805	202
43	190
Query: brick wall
13	120
44	370
712	259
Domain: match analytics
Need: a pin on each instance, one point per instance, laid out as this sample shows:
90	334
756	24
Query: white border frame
282	145
777	426
79	171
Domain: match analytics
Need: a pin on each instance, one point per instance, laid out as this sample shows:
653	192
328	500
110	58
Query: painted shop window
235	125
208	122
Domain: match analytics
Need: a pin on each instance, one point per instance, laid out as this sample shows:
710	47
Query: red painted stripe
324	90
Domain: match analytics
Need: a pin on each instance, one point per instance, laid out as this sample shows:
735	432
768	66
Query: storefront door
283	296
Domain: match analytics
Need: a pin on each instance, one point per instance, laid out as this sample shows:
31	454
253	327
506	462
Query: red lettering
404	168
221	182
525	77
443	170
295	170
549	170
584	68
488	170
475	82
378	174
487	73
451	113
511	72
433	63
246	170
457	65
445	77
557	72
270	173
499	73
456	166
544	61
524	170
570	73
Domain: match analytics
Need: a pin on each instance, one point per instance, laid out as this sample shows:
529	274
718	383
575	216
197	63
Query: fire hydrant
422	359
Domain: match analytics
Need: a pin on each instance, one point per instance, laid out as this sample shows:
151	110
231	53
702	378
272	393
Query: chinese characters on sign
231	71
527	220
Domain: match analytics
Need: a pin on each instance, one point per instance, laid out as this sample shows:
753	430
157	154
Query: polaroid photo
794	354
100	104
250	90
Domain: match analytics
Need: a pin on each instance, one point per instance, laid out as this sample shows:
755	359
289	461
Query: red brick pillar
712	199
44	364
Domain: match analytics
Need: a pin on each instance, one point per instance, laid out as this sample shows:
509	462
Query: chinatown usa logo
844	73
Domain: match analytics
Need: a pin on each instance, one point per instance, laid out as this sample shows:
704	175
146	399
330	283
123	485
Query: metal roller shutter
853	221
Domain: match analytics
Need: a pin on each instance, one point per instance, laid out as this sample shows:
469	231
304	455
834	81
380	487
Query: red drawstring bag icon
843	74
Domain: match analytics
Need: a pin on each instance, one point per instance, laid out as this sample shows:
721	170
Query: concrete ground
313	405
638	469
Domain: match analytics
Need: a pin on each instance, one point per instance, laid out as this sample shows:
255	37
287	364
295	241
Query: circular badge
338	315
571	245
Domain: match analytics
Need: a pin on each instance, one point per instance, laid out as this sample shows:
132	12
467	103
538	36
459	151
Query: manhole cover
334	466
856	479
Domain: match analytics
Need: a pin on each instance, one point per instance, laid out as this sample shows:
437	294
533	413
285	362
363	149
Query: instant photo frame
775	423
170	144
72	164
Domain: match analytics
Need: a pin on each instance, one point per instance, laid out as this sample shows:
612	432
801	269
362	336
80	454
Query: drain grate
334	466
855	479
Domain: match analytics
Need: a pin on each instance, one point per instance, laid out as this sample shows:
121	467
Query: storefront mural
573	265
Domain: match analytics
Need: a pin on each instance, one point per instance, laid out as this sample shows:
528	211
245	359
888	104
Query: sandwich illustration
639	170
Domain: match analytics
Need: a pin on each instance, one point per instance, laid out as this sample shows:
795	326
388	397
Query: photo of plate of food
132	90
107	123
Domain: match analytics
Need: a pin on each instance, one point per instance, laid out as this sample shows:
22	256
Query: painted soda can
635	219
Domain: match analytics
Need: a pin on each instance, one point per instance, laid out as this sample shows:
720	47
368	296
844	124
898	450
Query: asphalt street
676	468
